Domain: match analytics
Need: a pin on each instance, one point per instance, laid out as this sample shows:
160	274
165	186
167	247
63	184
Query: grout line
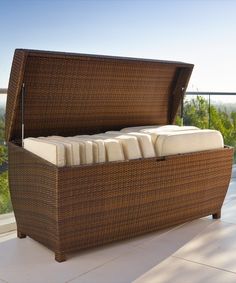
228	222
217	221
7	232
135	247
4	281
226	202
162	236
199	263
2	235
100	265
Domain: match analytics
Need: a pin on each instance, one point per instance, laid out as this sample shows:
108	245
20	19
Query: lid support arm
182	107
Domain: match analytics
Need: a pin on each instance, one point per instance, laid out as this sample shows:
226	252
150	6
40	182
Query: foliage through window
221	118
5	202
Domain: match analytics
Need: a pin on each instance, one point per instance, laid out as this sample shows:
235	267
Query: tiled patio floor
201	251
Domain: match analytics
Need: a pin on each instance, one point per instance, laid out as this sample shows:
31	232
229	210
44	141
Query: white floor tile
7	223
209	244
24	260
7	236
215	246
145	238
182	234
228	212
229	208
175	270
231	194
124	269
145	256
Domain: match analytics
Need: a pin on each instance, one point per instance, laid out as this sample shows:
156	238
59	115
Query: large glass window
212	111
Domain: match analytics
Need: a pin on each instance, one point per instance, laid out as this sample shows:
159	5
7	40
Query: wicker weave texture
34	195
73	208
76	94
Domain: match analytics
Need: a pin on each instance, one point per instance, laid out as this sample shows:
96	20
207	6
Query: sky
202	32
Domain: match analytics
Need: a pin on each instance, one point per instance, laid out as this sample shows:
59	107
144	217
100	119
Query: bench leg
216	215
20	235
60	256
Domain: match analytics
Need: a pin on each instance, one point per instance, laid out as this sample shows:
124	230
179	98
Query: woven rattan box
72	208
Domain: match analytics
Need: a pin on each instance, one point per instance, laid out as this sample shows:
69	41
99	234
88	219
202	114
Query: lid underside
70	94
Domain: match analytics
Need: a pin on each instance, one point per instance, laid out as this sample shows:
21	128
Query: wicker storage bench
72	208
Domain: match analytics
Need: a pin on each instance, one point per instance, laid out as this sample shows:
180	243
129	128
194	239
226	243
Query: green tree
2	122
196	113
3	154
5	201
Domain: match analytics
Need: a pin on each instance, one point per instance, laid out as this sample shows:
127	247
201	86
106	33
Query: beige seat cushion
117	146
99	152
53	152
129	144
178	142
143	147
86	149
137	128
145	144
114	150
155	132
72	149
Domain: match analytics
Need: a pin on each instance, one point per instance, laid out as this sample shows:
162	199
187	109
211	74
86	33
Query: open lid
69	94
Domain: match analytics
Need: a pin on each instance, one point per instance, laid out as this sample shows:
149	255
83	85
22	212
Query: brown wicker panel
97	204
120	200
33	188
68	94
14	88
